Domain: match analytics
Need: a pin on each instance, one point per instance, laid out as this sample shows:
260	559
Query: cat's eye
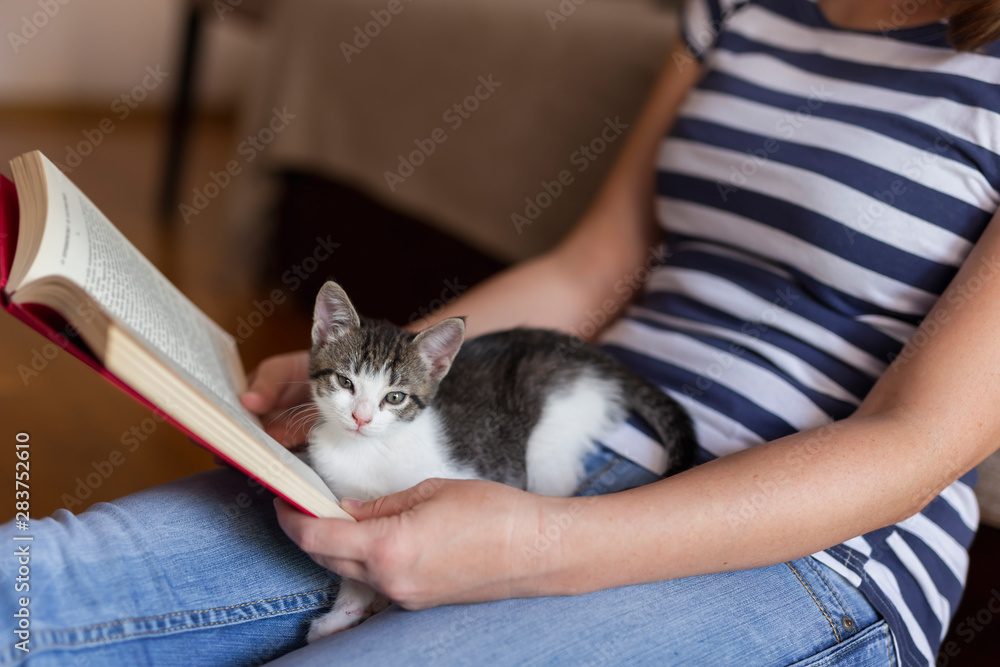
344	382
394	397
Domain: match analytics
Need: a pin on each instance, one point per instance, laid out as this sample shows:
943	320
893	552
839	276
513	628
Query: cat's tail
667	417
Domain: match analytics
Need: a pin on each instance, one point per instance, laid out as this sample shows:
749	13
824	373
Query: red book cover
8	230
53	326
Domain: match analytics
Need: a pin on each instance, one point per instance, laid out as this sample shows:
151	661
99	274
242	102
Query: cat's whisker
283	413
299	418
301	413
291	412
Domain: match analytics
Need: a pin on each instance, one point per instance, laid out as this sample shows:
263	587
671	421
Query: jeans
197	572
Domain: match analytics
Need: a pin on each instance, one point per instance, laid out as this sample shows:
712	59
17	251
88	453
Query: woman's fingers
277	389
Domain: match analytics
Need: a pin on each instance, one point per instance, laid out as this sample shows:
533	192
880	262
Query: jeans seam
590	481
198	611
818	569
126	637
849	561
860	643
193	611
816	600
876	593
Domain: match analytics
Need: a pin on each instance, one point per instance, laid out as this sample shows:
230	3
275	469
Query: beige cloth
557	80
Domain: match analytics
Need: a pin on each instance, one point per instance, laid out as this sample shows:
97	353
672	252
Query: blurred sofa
462	114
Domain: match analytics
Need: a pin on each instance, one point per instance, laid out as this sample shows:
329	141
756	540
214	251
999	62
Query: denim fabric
197	572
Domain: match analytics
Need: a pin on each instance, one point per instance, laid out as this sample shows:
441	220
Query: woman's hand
279	385
440	542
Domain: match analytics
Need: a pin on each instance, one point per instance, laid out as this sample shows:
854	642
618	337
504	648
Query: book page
81	244
188	409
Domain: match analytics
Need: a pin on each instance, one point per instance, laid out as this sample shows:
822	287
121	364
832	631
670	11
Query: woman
829	166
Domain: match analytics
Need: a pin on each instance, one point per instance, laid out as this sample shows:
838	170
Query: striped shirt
818	191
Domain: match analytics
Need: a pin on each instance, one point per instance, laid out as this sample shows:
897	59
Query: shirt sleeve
702	21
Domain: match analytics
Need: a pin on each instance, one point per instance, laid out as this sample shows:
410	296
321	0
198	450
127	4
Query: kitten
522	407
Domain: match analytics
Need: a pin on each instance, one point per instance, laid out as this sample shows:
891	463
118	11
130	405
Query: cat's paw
355	603
334	621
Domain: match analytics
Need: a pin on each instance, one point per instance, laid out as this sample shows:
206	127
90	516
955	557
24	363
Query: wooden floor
76	421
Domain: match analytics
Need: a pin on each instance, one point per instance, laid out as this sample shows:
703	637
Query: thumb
273	379
397	503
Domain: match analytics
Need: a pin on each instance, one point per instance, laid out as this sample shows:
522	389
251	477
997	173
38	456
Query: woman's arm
930	418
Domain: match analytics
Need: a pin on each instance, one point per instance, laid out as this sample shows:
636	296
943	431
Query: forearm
762	506
540	292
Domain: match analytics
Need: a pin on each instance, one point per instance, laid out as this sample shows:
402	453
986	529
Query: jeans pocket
844	606
869	648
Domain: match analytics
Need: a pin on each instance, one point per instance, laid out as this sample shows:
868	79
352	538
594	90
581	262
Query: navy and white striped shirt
819	190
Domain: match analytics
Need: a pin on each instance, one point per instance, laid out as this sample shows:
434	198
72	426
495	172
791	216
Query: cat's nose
360	421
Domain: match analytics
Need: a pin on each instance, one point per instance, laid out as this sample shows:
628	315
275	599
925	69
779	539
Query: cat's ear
333	315
439	344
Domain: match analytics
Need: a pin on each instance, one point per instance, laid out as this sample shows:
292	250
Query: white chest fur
365	467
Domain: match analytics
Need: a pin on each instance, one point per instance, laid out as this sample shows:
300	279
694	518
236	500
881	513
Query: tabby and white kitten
522	407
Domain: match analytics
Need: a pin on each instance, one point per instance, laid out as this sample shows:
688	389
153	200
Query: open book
67	272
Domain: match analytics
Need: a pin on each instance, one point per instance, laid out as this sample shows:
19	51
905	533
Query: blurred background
254	149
